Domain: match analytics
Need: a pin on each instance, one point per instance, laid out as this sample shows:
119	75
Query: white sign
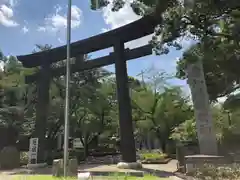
33	150
77	143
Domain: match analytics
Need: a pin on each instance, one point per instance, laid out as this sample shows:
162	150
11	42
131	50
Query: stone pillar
127	144
205	129
42	109
59	141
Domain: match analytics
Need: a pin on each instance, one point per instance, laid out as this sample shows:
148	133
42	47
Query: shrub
51	155
152	156
9	158
78	153
23	158
210	172
186	131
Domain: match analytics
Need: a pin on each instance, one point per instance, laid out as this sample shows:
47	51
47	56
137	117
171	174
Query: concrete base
57	167
194	162
39	165
132	165
84	176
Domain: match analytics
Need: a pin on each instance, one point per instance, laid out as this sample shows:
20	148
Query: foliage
218	45
152	156
219	63
232	102
158	108
9	158
185	132
225	132
23	158
79	154
214	24
210	172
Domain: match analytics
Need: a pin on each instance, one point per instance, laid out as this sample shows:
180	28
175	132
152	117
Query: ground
161	172
48	177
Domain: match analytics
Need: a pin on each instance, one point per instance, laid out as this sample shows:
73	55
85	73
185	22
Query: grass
152	156
48	177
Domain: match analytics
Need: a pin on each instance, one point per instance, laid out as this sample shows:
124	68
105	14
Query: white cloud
25	30
125	16
41	29
105	30
6	16
60	40
10	3
58	21
120	18
76	12
8	12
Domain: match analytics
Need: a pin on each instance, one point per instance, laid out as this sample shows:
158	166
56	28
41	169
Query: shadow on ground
162	171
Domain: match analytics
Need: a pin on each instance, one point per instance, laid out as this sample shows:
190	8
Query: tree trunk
86	150
163	141
163	146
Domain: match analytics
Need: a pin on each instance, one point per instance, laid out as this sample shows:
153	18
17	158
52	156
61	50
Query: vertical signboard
33	150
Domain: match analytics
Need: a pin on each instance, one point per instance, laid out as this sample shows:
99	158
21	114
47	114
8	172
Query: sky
25	23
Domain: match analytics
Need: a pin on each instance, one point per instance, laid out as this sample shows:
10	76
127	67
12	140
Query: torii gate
116	39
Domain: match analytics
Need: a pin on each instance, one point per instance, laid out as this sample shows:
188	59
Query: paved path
160	170
170	167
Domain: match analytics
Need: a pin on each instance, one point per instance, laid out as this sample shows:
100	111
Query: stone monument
205	130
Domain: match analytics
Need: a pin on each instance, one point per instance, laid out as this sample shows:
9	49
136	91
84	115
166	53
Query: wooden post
205	130
127	143
42	110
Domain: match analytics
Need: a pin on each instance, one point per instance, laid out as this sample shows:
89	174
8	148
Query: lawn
38	177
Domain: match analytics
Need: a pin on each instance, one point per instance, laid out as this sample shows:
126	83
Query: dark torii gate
116	39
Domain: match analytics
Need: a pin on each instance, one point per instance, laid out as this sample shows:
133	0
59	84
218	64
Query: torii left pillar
42	108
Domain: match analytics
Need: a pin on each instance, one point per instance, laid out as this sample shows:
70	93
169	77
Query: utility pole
66	124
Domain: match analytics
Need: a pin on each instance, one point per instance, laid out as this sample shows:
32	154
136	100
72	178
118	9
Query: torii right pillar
127	142
205	128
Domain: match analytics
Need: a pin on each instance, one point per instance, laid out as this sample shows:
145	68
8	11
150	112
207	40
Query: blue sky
24	23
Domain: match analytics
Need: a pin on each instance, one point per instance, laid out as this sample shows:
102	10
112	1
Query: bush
210	172
77	153
152	156
51	155
9	158
23	158
186	131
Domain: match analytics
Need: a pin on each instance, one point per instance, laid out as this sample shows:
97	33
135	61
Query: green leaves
158	110
98	4
185	132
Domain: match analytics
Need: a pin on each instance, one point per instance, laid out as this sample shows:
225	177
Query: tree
232	103
213	23
15	100
91	116
219	62
160	108
186	131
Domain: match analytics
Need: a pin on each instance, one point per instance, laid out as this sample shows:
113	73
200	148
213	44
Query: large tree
215	24
16	100
159	107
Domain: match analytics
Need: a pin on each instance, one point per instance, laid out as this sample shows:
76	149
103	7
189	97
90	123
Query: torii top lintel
129	32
